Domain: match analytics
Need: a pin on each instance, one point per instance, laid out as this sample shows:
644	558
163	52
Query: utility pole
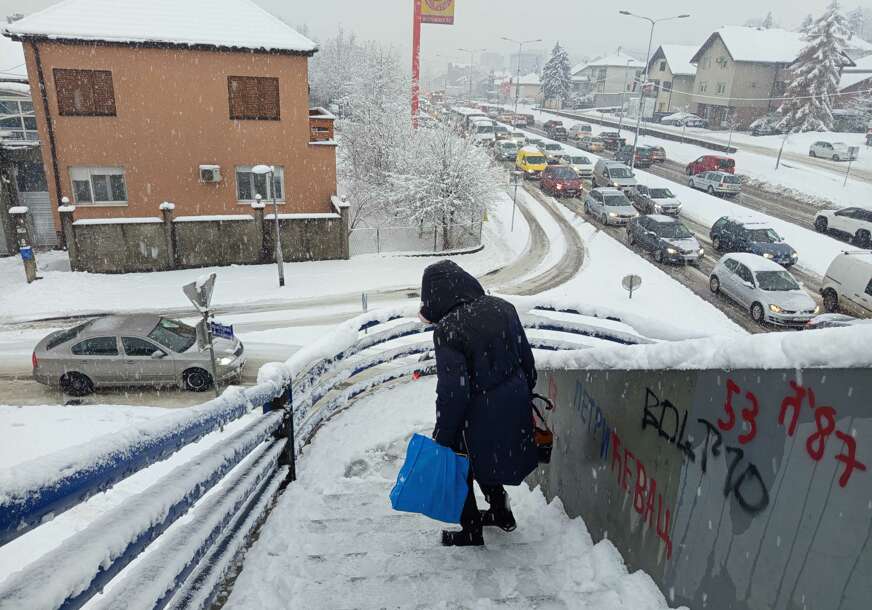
653	22
472	53
520	44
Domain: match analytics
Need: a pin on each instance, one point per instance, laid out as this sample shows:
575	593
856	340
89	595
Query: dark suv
555	130
744	235
665	238
643	156
611	139
560	180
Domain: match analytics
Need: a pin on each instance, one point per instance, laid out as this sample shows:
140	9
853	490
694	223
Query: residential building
741	72
608	78
672	74
855	80
530	89
145	102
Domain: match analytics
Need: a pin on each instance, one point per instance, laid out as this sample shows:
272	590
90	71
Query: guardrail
244	471
646	131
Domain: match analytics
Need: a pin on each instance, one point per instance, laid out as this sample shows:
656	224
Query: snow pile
333	541
825	348
239	24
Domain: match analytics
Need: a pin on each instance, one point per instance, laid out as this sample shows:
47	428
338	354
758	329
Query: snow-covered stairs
333	541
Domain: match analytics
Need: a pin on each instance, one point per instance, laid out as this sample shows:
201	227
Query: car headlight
225	360
794	255
817	309
701	251
559	187
613	214
671	250
767	255
775	308
657	208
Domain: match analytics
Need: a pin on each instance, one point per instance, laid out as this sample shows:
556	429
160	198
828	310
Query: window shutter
253	98
104	93
84	92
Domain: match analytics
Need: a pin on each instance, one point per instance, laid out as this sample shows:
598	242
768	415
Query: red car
711	163
560	180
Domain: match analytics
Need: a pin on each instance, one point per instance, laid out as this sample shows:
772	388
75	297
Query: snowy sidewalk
332	540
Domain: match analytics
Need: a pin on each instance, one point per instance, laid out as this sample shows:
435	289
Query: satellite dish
631	283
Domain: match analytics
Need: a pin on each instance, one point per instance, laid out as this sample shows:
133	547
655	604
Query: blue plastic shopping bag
432	481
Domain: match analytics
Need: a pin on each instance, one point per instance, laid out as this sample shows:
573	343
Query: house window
703	86
17	119
667	85
753	84
84	92
722	88
98	185
253	98
663	66
249	184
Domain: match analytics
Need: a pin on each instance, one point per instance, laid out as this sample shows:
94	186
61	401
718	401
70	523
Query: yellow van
531	161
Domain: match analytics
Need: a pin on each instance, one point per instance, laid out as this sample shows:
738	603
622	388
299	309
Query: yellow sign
437	11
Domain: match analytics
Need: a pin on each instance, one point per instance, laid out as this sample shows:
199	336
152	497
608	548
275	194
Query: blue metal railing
246	464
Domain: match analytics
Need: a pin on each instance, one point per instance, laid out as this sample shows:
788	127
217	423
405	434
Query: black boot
500	513
462	538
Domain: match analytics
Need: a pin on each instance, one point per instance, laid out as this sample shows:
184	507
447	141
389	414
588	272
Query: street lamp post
472	53
269	171
623	92
520	44
515	177
653	22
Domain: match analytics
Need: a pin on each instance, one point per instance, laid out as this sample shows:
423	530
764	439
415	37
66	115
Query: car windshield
776	280
726	163
661	194
673	230
485	129
567	173
730	179
580	161
620	172
553	147
535	160
174	335
616	200
66	335
767	236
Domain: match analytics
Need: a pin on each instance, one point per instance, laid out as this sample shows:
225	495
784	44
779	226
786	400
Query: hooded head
444	287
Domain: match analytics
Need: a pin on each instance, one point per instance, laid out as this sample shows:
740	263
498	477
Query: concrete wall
173	115
695	479
160	244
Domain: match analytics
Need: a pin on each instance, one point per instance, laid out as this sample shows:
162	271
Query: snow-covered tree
768	21
814	76
857	22
806	24
557	76
443	178
332	68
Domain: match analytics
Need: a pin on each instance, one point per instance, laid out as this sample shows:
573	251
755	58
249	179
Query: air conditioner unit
210	173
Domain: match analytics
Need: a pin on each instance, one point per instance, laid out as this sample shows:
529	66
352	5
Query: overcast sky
585	27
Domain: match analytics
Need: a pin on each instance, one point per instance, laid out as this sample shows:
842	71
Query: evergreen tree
857	22
805	27
556	76
768	21
814	76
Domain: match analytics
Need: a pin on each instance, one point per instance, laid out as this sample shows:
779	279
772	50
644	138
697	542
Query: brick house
168	100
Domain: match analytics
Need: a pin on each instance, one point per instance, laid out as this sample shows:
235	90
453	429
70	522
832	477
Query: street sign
26	253
631	283
221	330
200	292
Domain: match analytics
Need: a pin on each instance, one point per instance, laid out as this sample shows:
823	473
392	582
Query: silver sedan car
132	350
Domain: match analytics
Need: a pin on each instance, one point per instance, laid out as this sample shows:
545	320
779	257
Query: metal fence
419	238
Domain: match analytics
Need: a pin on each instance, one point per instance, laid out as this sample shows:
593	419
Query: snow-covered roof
861	71
618	60
678	57
759	45
231	24
12	60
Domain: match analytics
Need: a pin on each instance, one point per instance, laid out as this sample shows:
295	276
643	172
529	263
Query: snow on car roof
662	218
531	149
610	190
215	23
755	262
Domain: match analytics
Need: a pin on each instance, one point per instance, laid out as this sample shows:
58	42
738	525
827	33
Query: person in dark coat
485	377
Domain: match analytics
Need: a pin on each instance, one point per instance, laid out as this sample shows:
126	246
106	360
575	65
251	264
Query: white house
608	78
673	75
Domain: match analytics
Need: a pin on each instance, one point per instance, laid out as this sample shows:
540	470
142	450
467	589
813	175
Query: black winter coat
486	374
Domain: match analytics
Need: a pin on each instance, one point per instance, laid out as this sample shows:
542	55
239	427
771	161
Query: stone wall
135	245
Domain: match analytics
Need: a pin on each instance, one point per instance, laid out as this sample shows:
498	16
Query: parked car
710	163
613	174
612	140
560	181
132	350
770	292
855	223
665	238
610	206
766	126
658	154
716	183
579	131
582	165
837	151
744	235
591	144
654	200
835	320
531	161
506	150
847	285
642	157
684	119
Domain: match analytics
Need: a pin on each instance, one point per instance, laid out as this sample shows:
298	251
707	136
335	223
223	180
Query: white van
847	286
483	131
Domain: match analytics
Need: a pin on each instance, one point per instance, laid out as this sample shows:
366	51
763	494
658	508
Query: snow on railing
314	381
